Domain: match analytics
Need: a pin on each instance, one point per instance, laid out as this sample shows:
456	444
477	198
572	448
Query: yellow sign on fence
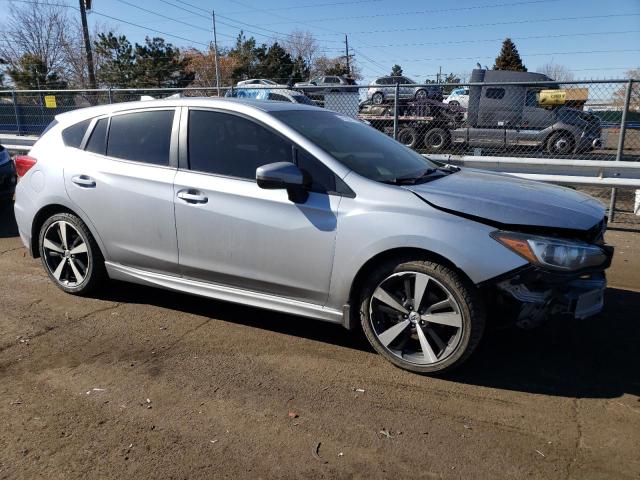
50	101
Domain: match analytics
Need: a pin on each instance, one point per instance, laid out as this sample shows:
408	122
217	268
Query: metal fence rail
596	120
530	129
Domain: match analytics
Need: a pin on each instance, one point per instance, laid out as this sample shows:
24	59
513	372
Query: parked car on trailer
383	89
458	97
301	210
317	87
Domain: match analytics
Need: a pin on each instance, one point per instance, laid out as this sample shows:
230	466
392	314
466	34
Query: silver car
383	90
297	209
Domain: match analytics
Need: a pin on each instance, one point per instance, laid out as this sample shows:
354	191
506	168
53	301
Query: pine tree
509	58
396	71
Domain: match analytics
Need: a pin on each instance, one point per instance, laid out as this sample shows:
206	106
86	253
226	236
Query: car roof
231	104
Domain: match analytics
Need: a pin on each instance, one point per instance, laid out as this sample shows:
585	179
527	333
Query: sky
592	38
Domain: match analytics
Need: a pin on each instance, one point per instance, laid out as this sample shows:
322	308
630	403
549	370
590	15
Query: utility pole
346	45
440	75
215	52
84	6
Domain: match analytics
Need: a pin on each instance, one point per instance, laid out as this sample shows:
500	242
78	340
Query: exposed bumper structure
532	296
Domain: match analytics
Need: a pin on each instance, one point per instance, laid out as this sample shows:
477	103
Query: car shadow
8	225
593	358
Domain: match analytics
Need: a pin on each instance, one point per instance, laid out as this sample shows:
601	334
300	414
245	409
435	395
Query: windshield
359	147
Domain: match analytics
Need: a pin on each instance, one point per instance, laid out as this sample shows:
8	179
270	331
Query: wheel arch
399	254
46	212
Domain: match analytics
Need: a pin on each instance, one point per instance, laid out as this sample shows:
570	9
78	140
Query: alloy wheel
416	318
66	253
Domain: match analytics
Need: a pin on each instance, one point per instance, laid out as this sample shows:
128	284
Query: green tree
245	57
396	70
31	72
509	58
115	61
274	63
159	64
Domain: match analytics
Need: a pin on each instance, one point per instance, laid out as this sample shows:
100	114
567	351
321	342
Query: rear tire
408	137
454	103
431	326
436	140
70	254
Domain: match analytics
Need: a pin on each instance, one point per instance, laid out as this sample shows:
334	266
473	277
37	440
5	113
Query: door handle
192	196
84	181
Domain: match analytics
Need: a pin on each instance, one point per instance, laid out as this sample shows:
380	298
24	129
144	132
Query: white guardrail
601	173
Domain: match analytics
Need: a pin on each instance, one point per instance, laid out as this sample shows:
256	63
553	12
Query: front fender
364	233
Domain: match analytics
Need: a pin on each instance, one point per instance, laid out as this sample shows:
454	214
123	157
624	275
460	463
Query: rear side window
495	93
97	142
72	136
141	136
229	145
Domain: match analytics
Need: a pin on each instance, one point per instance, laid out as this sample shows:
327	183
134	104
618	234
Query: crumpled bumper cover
533	295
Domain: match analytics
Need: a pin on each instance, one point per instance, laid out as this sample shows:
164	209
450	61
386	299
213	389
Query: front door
232	232
123	182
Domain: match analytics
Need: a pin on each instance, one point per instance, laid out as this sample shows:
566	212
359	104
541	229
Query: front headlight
552	253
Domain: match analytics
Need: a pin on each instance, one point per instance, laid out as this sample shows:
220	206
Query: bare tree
557	72
303	44
40	30
620	94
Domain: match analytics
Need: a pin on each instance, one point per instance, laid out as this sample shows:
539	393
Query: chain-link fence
574	120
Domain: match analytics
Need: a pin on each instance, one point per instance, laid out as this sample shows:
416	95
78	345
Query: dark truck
511	115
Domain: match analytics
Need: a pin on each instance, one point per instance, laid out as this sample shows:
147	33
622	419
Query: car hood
511	201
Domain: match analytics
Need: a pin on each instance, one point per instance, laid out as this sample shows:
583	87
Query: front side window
359	147
72	136
278	97
233	146
531	99
495	93
141	136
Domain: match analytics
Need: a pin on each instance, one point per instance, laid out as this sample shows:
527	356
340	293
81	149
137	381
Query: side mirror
283	175
279	175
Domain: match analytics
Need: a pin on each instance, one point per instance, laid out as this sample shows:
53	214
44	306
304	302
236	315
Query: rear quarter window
72	136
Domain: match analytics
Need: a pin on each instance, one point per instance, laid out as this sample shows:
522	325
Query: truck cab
510	109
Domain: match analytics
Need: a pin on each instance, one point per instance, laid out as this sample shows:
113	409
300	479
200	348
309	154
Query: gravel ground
143	383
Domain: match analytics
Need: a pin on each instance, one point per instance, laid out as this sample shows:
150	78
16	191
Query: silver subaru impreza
301	210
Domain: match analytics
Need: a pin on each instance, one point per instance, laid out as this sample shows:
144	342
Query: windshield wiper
428	174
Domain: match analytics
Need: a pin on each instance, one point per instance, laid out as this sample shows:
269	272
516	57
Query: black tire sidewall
427	141
554	138
471	309
95	258
375	96
409	132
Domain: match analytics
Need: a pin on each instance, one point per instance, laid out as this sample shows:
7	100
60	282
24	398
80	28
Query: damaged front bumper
532	295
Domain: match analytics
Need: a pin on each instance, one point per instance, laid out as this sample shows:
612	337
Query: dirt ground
144	383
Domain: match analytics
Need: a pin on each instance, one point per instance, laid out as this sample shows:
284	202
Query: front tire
560	143
421	316
377	98
421	95
70	254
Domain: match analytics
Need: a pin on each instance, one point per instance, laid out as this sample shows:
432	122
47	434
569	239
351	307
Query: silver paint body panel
255	246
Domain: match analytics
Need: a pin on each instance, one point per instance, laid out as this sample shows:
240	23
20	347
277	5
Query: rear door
123	182
232	232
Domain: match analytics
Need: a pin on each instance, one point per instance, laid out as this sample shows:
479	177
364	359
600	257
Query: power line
313	5
424	12
512	22
95	12
531	37
208	30
586	52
